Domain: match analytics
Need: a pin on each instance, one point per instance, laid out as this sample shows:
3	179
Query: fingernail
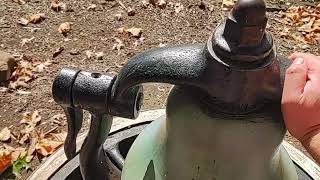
298	61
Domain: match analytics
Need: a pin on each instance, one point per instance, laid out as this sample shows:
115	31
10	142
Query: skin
301	101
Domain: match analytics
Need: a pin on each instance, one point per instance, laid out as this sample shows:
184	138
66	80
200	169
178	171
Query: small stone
23	21
37	18
65	28
118	17
57	52
92	7
74	52
7	65
131	12
162	4
202	6
99	55
89	54
144	3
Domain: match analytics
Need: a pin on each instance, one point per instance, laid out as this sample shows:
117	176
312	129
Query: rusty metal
235	74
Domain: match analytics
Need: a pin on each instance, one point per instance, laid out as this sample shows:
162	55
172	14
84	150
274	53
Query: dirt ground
95	30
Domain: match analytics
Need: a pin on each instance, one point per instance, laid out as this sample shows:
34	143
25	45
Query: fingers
295	80
313	62
302	55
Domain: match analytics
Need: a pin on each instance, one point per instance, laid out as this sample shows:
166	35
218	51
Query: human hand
301	96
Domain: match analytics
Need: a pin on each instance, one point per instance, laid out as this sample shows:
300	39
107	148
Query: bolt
246	23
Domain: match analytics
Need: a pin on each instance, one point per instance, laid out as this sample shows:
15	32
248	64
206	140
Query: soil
96	30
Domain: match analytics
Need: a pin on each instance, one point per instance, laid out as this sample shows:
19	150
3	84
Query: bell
223	116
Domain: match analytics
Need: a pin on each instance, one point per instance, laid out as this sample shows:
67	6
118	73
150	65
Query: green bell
223	118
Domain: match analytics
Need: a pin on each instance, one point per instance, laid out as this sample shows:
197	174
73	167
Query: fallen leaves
33	142
118	44
5	134
26	71
31	119
65	28
306	20
50	143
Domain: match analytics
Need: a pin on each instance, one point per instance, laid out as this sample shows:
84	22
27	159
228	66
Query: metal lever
76	91
74	120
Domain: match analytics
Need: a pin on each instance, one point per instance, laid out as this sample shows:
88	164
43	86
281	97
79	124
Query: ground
95	30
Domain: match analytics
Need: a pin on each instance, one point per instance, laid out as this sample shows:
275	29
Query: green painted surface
191	145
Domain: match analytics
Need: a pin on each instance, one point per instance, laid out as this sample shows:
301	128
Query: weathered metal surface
56	162
223	111
77	91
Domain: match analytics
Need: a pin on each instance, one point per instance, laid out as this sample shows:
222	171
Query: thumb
295	80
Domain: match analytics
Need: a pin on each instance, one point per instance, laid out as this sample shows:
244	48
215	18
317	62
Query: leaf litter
32	142
306	21
27	69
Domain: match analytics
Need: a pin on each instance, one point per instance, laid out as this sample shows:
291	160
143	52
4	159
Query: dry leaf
59	136
24	139
25	72
119	45
25	41
46	147
18	152
32	146
36	18
5	134
135	32
227	5
31	119
64	28
307	21
56	5
5	160
21	92
307	27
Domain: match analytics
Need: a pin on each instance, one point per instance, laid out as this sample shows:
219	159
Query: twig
275	9
122	5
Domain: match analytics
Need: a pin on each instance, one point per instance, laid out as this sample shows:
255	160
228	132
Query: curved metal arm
74	120
182	65
93	163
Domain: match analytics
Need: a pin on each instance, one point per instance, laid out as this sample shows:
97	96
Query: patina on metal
223	113
76	91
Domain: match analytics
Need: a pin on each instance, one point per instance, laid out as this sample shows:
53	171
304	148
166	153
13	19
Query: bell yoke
223	116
